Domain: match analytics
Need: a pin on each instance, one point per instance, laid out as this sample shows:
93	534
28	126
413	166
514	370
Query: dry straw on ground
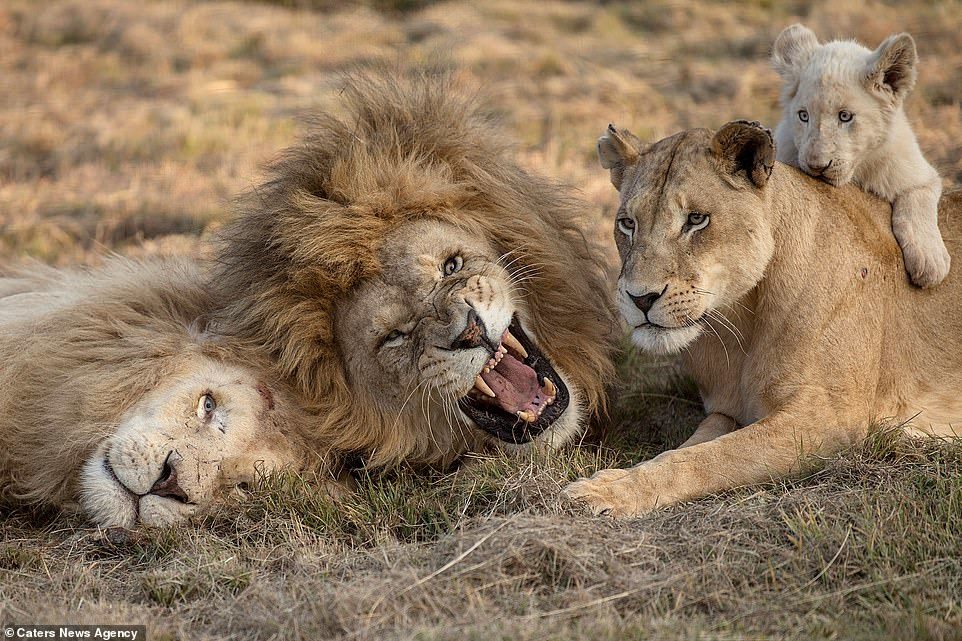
128	126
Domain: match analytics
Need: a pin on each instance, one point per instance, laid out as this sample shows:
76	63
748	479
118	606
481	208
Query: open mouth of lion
518	394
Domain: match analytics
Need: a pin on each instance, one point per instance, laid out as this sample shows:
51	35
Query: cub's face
691	228
838	99
208	430
442	339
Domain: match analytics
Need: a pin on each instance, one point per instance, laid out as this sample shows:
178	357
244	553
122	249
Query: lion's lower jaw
665	341
567	429
102	501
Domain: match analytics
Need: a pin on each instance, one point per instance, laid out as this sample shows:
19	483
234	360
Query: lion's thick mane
402	149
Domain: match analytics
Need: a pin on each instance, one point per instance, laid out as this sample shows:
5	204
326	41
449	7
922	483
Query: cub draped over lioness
843	120
421	290
789	299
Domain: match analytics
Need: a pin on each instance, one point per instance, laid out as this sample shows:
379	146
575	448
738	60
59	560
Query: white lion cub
843	121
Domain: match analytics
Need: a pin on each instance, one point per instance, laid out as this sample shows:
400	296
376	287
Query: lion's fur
877	148
404	149
80	348
813	331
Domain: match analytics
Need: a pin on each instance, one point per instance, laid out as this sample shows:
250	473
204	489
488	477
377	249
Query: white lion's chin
102	499
658	340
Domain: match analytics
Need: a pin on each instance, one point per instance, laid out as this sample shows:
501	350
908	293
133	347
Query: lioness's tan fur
809	331
406	149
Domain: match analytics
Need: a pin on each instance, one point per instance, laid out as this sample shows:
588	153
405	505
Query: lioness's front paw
617	493
927	261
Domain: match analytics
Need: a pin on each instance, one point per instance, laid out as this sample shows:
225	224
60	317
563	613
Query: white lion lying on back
843	121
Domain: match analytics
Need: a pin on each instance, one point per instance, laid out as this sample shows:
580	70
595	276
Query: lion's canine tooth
481	385
486	369
527	416
514	344
549	388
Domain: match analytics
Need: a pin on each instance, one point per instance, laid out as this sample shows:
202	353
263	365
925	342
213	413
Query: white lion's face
183	445
442	340
835	122
838	100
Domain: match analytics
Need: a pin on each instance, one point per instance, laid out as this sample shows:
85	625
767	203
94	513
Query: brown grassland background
128	126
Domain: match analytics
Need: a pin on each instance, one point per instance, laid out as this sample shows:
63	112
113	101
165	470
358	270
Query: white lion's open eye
626	226
697	220
845	115
206	406
453	264
803	115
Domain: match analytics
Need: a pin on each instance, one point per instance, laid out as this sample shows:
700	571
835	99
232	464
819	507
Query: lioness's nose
645	301
474	335
167	484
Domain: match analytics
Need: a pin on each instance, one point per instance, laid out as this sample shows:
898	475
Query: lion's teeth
486	369
549	388
483	387
527	416
513	343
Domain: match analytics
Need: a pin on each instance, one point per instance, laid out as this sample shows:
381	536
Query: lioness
424	294
113	403
843	120
788	297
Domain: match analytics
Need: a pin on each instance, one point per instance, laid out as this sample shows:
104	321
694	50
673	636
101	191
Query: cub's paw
927	261
616	493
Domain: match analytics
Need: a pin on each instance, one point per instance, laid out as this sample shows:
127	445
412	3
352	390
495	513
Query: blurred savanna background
128	126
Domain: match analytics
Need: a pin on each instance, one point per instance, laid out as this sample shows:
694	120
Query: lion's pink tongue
514	384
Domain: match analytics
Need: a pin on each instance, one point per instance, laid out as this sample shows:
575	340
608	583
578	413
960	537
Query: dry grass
128	126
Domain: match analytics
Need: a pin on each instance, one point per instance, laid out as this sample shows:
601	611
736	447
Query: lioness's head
691	228
839	97
424	293
182	445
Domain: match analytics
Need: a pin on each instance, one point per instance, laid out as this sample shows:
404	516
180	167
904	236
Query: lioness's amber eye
803	115
845	116
453	264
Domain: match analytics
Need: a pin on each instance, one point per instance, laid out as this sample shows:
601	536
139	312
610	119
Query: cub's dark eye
626	225
803	115
845	116
697	220
206	406
453	265
394	337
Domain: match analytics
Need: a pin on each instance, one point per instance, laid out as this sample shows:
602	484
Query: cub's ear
891	69
745	148
792	48
618	149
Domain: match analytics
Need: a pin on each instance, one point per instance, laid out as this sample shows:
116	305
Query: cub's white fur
843	120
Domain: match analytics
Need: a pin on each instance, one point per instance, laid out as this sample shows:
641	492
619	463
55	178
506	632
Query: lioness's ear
792	48
745	147
617	150
891	69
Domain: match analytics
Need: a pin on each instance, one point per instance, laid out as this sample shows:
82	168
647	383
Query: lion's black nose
474	335
167	484
645	301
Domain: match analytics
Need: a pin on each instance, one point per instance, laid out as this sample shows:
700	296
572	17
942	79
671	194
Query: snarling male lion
421	290
112	400
790	299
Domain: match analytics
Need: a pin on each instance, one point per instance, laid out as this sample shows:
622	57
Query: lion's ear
617	150
792	48
745	148
891	69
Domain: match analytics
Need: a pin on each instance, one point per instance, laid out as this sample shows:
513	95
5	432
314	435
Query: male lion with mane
112	402
420	290
790	300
